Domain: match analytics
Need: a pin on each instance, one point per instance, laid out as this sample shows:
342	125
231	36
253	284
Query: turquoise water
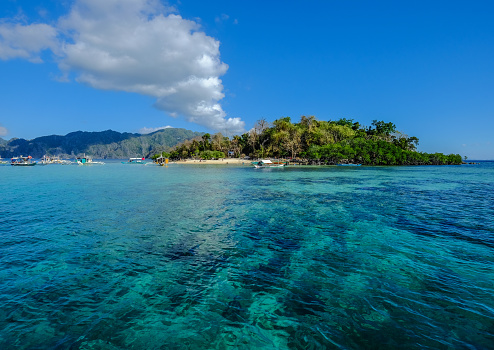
226	257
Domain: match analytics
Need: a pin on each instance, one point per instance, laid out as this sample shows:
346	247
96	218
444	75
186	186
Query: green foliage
344	122
382	128
212	155
206	142
104	144
163	154
323	142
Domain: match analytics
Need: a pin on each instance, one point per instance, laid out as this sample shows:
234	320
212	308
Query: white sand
225	161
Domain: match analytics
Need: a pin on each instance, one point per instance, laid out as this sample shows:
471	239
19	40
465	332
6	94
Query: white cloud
26	41
222	18
146	130
3	131
136	46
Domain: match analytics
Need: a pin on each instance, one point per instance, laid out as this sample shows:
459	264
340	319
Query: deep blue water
226	257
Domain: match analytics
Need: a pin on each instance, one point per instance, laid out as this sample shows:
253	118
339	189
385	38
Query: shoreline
224	161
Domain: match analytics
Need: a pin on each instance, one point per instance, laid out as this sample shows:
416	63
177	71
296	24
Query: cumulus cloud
3	131
137	46
146	130
26	41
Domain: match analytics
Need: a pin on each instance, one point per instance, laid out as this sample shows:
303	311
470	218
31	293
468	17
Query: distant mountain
103	145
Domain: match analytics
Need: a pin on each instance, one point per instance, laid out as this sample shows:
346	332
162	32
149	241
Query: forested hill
104	145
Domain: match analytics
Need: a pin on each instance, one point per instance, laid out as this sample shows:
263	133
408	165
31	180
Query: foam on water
218	257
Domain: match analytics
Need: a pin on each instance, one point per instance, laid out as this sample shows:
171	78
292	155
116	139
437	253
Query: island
313	142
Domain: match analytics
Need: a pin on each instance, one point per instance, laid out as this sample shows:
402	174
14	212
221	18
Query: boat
349	164
22	161
86	161
267	163
135	161
161	161
3	161
53	160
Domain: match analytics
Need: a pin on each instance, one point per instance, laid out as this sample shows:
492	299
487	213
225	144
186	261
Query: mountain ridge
106	144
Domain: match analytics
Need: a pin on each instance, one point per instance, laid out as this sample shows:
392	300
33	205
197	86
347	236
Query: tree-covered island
316	142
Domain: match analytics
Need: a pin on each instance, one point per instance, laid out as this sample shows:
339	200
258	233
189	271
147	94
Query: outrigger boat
135	161
267	163
86	161
53	160
22	161
161	161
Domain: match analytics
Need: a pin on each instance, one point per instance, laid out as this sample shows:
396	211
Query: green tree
236	146
382	128
206	142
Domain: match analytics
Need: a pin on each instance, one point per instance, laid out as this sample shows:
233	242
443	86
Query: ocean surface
229	257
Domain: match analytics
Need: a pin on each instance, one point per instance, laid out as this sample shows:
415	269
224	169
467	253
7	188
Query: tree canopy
317	142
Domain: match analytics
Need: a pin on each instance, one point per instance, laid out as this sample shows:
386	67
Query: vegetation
310	141
104	145
316	142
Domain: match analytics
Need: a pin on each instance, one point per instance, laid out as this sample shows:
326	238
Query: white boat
86	161
22	161
135	161
267	163
53	160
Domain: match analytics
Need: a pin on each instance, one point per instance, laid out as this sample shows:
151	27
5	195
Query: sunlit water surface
227	257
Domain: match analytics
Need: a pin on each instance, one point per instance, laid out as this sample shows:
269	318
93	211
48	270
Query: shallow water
227	257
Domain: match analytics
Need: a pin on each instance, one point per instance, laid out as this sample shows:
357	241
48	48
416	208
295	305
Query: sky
219	66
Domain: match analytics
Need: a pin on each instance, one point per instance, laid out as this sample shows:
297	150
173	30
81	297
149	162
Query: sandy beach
225	161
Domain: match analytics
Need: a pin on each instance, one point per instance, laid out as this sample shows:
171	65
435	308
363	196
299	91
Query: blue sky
126	65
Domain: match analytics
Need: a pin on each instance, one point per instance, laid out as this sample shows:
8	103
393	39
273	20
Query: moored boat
22	161
267	163
349	164
86	161
53	160
161	161
135	161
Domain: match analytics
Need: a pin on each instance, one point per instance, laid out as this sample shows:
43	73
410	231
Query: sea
122	256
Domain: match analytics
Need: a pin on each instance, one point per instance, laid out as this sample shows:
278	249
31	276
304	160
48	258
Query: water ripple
218	258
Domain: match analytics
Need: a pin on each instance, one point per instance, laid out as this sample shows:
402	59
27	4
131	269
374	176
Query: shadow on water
235	313
182	253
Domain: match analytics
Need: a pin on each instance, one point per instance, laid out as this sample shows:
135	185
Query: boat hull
269	166
21	164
